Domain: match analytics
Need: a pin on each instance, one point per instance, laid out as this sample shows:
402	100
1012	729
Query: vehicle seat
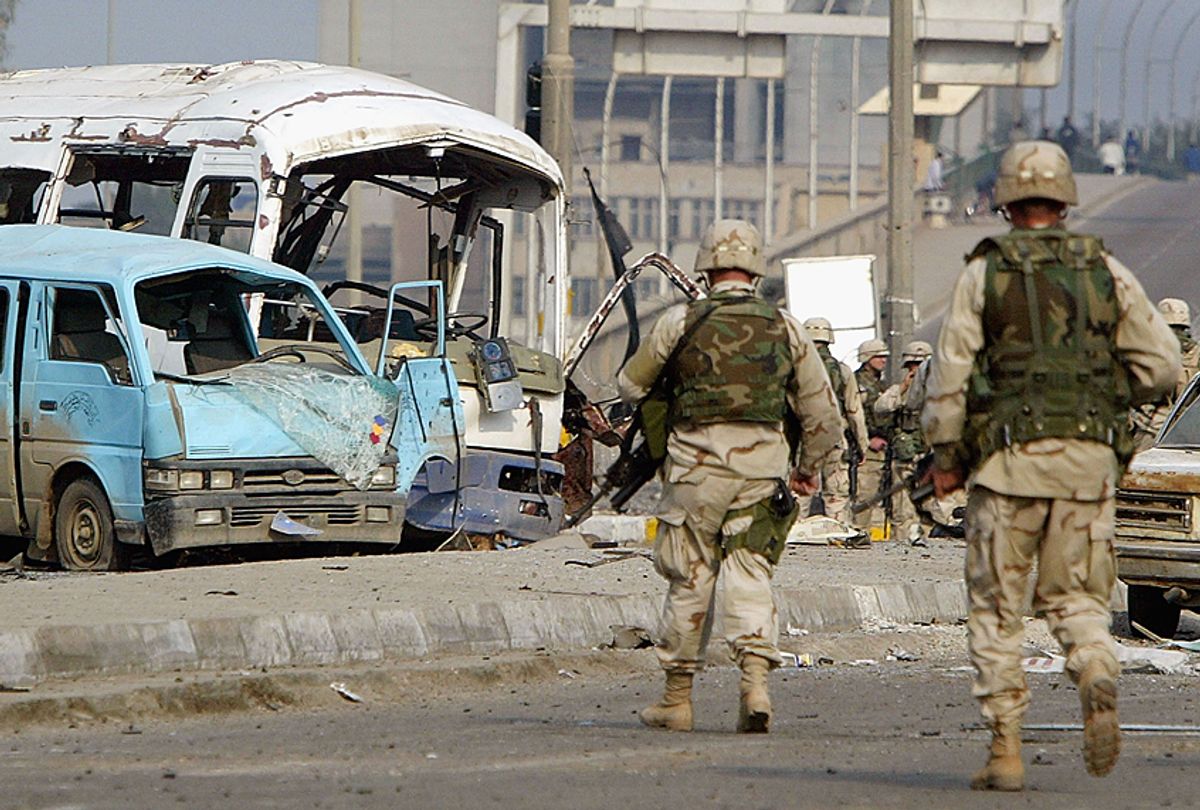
218	348
79	334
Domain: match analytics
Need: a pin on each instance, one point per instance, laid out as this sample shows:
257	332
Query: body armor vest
735	364
1049	366
870	386
836	378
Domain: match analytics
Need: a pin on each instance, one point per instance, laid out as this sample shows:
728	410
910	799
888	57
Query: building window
581	216
631	148
583	296
702	216
643	218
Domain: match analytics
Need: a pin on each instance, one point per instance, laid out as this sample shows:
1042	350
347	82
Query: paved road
1155	230
892	735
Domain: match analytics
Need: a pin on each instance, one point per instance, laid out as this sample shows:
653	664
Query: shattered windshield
203	322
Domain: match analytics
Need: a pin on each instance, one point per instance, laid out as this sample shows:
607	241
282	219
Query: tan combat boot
674	711
1004	769
1101	732
754	714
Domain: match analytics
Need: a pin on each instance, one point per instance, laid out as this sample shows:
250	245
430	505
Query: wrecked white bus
265	157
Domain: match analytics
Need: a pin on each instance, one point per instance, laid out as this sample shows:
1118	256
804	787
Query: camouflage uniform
907	449
712	470
835	474
870	472
1047	499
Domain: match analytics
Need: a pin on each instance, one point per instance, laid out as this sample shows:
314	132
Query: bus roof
308	110
100	255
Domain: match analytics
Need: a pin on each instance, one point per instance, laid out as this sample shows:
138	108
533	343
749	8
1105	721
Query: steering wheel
298	353
426	328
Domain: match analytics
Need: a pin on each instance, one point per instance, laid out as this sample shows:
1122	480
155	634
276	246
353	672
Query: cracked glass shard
344	422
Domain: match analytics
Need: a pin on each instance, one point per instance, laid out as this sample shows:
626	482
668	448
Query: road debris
612	555
863	662
335	567
569	673
341	689
1126	728
901	654
1046	664
220	593
1149	659
629	637
798	660
796	631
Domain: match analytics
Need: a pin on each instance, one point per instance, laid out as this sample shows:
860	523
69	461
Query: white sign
840	289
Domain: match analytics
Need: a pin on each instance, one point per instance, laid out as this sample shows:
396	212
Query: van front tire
83	529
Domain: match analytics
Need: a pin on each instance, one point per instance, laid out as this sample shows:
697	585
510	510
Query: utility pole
111	31
898	302
558	88
354	253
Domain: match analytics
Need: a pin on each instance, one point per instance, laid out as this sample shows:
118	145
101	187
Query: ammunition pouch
763	527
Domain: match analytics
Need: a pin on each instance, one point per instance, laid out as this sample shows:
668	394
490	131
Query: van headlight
384	478
191	479
221	479
160	479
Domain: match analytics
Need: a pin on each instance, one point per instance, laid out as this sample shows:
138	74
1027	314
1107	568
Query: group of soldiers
884	444
1048	345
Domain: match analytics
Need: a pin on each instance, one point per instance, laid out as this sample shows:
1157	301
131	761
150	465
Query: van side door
10	512
80	401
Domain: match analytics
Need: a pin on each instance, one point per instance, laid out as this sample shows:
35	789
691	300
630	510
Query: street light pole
558	88
1138	9
112	29
354	252
814	70
1149	63
855	70
1074	60
1174	61
898	304
1097	45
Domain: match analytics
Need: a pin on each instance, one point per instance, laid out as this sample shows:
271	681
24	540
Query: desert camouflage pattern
1051	467
744	450
870	473
835	474
736	364
1049	366
1072	544
688	555
1149	418
712	469
1048	499
892	407
932	509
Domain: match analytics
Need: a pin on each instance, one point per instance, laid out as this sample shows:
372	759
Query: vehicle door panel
9	511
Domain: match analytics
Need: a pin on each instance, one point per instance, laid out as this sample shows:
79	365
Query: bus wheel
83	529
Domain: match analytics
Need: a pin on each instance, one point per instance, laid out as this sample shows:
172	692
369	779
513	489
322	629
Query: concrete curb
564	623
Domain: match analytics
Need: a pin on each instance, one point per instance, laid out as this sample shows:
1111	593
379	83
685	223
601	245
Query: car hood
219	424
1170	469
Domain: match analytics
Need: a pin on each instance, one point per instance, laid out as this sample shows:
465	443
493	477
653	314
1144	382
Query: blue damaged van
173	395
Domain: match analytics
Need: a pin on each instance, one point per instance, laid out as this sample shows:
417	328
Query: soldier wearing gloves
736	368
1048	343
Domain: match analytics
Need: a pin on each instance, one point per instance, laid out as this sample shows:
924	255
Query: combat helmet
1035	170
872	348
731	244
819	330
1175	312
915	351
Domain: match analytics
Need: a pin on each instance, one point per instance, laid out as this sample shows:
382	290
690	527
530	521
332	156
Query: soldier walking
1149	418
872	358
736	367
836	475
1048	342
907	443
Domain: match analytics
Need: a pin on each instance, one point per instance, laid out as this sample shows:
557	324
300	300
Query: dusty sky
54	33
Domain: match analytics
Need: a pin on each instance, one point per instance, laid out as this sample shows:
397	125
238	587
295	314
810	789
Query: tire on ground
84	534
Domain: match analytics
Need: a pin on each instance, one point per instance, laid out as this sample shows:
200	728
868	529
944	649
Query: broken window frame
194	220
37	198
117	213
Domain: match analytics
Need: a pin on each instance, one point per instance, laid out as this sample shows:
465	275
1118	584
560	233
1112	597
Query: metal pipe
1174	62
1149	63
719	152
898	303
855	134
354	246
664	161
1097	45
814	69
1125	40
558	88
769	175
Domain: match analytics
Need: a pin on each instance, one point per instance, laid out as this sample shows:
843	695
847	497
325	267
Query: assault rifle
919	486
854	457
